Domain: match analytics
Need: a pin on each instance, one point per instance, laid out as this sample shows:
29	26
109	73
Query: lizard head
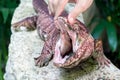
81	42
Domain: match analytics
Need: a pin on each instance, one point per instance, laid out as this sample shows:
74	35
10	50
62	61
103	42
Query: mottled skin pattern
83	46
61	38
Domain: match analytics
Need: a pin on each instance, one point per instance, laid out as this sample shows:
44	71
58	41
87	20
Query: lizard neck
41	7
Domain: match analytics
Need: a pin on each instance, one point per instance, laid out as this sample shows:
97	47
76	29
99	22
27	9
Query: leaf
98	29
112	36
5	13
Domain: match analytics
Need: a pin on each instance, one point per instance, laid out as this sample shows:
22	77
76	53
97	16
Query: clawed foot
99	56
102	61
43	60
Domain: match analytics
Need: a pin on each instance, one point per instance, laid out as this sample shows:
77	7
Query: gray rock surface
25	45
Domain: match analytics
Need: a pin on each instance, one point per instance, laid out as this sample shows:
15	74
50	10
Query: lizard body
60	38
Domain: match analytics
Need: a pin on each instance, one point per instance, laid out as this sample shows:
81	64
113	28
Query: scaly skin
83	45
47	30
60	37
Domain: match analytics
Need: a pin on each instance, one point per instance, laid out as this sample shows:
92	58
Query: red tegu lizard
69	44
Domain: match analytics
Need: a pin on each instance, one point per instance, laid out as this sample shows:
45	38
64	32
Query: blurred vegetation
7	8
108	28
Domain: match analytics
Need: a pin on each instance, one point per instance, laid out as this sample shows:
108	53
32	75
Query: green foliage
111	33
6	11
108	21
108	27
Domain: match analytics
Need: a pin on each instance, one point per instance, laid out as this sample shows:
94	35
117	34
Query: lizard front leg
29	23
48	49
99	55
45	57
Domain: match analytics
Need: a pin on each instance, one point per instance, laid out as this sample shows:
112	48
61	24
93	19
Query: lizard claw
42	60
102	61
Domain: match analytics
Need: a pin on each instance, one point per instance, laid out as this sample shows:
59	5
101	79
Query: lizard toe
41	61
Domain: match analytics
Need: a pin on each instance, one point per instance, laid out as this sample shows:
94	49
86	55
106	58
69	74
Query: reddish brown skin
86	46
75	38
47	30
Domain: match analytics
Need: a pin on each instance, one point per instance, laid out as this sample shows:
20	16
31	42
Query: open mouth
64	54
81	44
60	61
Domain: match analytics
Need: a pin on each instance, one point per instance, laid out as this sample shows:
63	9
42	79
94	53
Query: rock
25	45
